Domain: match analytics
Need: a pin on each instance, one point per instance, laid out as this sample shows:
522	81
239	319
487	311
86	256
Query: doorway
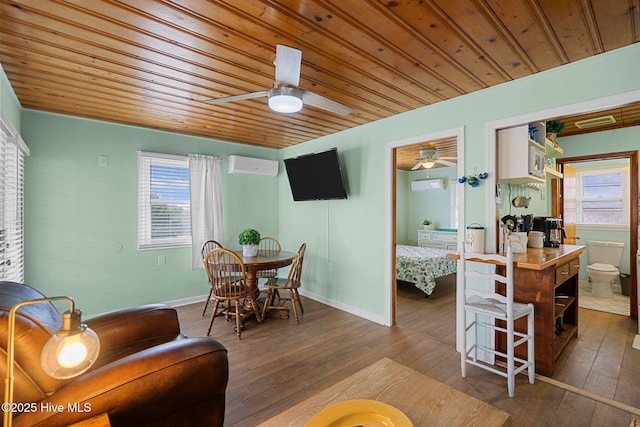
559	209
391	202
593	105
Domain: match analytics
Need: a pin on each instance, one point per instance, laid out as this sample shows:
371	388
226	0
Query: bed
422	266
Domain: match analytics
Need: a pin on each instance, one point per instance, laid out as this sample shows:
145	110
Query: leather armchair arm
128	331
126	326
179	377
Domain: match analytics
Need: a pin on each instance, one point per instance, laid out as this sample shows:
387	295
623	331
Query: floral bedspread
421	266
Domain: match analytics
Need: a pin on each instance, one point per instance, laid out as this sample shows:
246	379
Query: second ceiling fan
429	158
285	96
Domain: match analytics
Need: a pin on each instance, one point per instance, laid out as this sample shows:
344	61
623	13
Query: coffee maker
552	229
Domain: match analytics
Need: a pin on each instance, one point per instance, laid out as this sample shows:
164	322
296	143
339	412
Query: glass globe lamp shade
283	99
70	351
428	165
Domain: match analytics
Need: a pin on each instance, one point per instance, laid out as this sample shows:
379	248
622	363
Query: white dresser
438	239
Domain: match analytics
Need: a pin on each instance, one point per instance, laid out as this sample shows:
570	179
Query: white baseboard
332	303
186	301
344	307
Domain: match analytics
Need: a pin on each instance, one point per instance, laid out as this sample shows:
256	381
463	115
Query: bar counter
540	259
548	278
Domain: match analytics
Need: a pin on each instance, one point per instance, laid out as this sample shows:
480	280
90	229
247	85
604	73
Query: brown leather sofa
147	373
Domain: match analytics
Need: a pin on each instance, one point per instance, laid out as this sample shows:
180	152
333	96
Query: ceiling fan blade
287	63
324	103
237	97
447	158
416	166
444	162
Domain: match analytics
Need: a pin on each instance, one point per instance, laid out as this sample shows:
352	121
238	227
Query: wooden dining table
265	260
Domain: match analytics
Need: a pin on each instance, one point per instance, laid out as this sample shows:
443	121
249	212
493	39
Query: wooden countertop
542	258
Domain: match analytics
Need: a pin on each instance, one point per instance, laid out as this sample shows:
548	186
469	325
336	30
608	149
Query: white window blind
12	151
163	201
603	197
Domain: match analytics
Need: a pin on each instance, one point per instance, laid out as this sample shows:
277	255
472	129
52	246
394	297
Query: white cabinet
521	153
438	239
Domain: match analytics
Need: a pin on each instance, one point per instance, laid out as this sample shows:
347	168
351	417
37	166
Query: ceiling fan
429	158
285	96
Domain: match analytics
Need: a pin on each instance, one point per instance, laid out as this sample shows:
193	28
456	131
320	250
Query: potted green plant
554	127
249	239
428	225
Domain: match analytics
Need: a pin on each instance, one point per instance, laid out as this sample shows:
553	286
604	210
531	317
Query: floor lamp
68	353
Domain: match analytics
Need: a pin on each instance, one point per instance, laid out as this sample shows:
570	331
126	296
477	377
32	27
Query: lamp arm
11	332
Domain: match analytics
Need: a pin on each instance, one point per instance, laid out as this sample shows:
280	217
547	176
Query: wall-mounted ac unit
427	184
252	166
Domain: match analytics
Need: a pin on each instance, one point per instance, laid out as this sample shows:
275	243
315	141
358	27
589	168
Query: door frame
390	203
592	105
492	128
632	156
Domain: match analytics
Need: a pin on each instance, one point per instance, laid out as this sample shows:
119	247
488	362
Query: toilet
604	258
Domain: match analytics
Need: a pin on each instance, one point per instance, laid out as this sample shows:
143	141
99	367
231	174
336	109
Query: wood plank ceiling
153	63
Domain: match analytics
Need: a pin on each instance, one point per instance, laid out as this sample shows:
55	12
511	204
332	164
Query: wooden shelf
551	149
561	341
554	173
562	304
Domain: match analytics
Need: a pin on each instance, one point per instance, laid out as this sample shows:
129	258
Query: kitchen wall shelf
552	173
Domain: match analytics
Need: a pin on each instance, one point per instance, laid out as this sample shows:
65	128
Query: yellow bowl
360	412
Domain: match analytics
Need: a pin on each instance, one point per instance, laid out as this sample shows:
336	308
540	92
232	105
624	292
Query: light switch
103	160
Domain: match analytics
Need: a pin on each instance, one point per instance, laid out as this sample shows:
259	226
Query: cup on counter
518	241
536	239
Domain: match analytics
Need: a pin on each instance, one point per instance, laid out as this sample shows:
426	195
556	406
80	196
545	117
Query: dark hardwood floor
278	364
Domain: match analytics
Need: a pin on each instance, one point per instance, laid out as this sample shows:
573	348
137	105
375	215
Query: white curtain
206	203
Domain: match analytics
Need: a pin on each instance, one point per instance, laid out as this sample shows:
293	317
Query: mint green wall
9	104
432	204
347	238
601	142
612	141
539	205
68	239
412	207
79	214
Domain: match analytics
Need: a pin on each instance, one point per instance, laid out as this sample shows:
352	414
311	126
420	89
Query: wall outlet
162	259
103	160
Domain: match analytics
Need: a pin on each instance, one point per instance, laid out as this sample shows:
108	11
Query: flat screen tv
316	176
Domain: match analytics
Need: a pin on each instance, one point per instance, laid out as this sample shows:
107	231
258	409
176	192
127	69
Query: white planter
249	250
428	227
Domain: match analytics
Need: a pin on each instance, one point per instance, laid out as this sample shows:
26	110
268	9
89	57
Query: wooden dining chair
228	276
208	246
268	245
274	300
494	312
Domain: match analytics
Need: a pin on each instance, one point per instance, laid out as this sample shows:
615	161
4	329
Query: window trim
145	159
12	149
580	173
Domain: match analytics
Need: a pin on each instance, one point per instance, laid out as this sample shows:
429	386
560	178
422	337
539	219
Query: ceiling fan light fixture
284	99
428	164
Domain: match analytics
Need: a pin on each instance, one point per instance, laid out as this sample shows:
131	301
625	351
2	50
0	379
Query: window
163	201
12	152
603	197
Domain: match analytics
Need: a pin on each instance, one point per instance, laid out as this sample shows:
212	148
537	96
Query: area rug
617	304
